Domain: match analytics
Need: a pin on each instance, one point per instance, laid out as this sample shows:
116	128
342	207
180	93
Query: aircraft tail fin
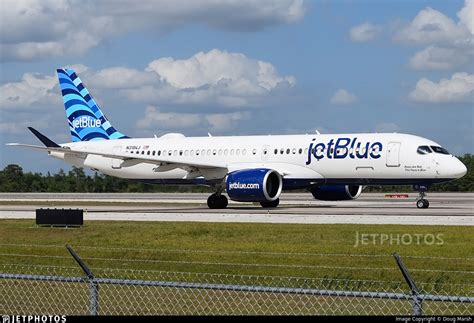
86	119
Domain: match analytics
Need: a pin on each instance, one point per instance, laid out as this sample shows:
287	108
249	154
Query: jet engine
254	185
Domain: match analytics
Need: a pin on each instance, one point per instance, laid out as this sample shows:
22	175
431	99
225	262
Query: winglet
45	140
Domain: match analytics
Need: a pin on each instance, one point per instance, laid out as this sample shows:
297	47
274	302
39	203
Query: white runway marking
445	209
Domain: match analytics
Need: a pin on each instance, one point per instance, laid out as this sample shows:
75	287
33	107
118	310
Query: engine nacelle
336	192
254	185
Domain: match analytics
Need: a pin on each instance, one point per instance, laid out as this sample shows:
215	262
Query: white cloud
223	122
19	127
342	97
365	32
431	26
228	79
466	15
387	127
37	29
233	70
460	88
121	78
32	90
450	44
154	118
206	82
217	77
447	44
438	58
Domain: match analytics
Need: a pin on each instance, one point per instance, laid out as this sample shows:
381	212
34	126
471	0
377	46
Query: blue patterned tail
86	120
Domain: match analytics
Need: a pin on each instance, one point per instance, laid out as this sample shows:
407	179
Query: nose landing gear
421	202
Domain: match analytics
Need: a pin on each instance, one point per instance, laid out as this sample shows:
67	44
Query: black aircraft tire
271	204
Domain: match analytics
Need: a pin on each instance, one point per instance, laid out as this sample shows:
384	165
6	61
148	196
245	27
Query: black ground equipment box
60	217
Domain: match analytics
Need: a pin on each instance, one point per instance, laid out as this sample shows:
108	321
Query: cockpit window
440	150
423	150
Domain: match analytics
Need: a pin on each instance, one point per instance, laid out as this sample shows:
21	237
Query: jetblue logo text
239	186
86	122
342	148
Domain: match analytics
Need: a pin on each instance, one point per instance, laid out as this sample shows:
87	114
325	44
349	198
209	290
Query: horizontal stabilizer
45	140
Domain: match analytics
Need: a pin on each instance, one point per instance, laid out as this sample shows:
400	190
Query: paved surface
370	208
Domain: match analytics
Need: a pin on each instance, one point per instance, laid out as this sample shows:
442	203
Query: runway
370	208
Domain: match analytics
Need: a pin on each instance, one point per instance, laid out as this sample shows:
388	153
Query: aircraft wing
127	156
152	159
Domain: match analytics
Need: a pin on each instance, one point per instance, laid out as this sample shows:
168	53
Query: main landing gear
217	201
421	202
270	204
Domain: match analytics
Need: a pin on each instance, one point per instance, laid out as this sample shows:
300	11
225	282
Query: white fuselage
302	160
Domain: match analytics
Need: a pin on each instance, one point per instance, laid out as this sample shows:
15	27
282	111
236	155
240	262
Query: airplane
248	168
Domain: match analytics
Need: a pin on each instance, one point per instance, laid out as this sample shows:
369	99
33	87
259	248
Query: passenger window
186	153
237	152
197	152
220	152
203	152
294	151
143	152
423	150
214	152
191	153
282	151
275	151
244	151
232	152
226	152
254	151
209	152
300	151
148	153
265	151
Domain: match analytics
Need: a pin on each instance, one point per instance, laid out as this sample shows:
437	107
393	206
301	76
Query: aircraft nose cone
460	169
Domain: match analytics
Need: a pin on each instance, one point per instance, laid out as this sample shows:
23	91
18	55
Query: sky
239	67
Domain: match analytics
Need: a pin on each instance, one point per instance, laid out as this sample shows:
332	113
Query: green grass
319	251
150	250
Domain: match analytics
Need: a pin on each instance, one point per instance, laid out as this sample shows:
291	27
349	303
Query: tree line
14	179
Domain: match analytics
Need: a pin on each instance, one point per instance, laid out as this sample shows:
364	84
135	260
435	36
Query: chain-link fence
28	289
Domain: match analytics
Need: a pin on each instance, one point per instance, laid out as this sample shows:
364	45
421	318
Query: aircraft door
393	154
117	163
